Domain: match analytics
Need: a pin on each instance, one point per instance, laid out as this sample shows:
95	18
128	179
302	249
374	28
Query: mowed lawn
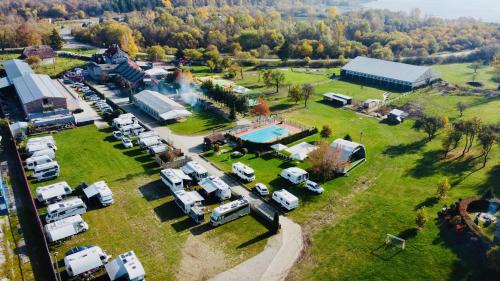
201	122
144	217
461	73
349	222
61	65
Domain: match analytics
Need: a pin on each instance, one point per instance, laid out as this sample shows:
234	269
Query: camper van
195	170
157	149
46	171
147	134
126	267
243	171
83	261
174	179
47	139
230	211
132	130
214	186
31	148
149	141
286	199
67	208
65	228
34	161
48	152
52	193
99	190
294	175
191	204
124	120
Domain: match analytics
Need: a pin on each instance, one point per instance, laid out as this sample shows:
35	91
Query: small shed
337	99
397	116
371	103
44	52
215	138
348	154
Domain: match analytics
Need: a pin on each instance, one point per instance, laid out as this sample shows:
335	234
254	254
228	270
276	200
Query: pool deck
292	130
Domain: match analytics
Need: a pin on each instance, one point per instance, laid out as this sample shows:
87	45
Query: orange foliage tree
262	108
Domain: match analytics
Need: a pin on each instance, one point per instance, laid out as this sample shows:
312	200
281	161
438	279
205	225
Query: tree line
238	103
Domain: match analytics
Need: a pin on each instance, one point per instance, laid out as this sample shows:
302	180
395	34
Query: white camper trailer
243	171
124	120
294	175
99	190
46	139
286	199
126	267
191	204
53	192
174	179
217	187
131	130
48	152
157	149
195	170
85	260
149	141
67	208
65	228
46	171
147	134
34	161
230	211
31	148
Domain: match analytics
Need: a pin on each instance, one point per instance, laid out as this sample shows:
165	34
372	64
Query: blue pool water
266	134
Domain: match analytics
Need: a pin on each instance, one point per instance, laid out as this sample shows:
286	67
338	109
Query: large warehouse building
160	106
394	75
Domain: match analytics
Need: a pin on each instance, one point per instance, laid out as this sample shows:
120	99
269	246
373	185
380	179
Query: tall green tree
430	125
56	41
487	137
307	92
295	93
277	78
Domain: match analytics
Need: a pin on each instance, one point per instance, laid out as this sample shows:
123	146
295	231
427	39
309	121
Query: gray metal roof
161	104
33	87
16	68
387	69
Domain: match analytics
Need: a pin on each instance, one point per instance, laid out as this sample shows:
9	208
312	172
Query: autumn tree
155	53
261	108
33	60
307	92
443	188
421	218
325	161
295	93
487	137
451	139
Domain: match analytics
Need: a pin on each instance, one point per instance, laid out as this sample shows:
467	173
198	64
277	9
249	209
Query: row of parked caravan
83	262
41	152
127	127
192	202
64	211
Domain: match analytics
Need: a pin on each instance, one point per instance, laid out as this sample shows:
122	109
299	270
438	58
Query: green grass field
461	73
61	65
201	122
81	51
144	217
348	223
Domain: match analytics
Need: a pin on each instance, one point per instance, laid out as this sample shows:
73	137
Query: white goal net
395	241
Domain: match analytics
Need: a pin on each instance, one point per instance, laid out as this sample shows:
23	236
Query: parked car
127	142
314	187
261	189
117	135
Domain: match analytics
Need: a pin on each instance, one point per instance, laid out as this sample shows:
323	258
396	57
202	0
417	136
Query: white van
150	141
47	152
132	130
46	139
171	180
286	199
157	149
85	260
34	161
67	208
37	146
243	171
65	228
294	175
124	120
53	192
46	171
101	191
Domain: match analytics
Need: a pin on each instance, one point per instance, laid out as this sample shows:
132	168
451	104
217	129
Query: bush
216	147
244	150
326	132
421	218
348	137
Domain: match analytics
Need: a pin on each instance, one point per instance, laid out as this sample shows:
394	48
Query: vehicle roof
126	264
46	165
99	187
52	190
196	167
287	195
84	260
169	173
36	158
65	204
222	209
296	171
189	197
243	167
63	222
211	184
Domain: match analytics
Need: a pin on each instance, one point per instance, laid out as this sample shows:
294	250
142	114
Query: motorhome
214	186
286	199
126	267
195	170
294	175
124	120
157	149
46	139
230	211
84	261
37	146
48	152
147	134
34	161
65	228
99	190
243	171
67	208
149	141
46	171
174	179
132	130
191	204
53	192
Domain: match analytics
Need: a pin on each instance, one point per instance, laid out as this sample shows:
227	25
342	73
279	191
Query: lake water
486	10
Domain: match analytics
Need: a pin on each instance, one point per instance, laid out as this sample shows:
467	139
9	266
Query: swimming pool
266	134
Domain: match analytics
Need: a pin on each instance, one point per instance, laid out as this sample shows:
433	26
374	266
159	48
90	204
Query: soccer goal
395	241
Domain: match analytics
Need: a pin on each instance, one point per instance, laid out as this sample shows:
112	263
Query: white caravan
67	208
85	260
174	179
243	171
157	149
126	267
149	141
286	199
46	171
191	204
46	139
195	170
217	187
65	228
294	175
101	191
31	148
48	152
132	130
53	192
230	211
34	161
124	120
147	134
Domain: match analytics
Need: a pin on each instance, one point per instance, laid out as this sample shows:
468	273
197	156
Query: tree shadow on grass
406	148
154	190
431	164
408	234
428	203
200	229
168	211
281	106
133	152
256	239
386	252
151	168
